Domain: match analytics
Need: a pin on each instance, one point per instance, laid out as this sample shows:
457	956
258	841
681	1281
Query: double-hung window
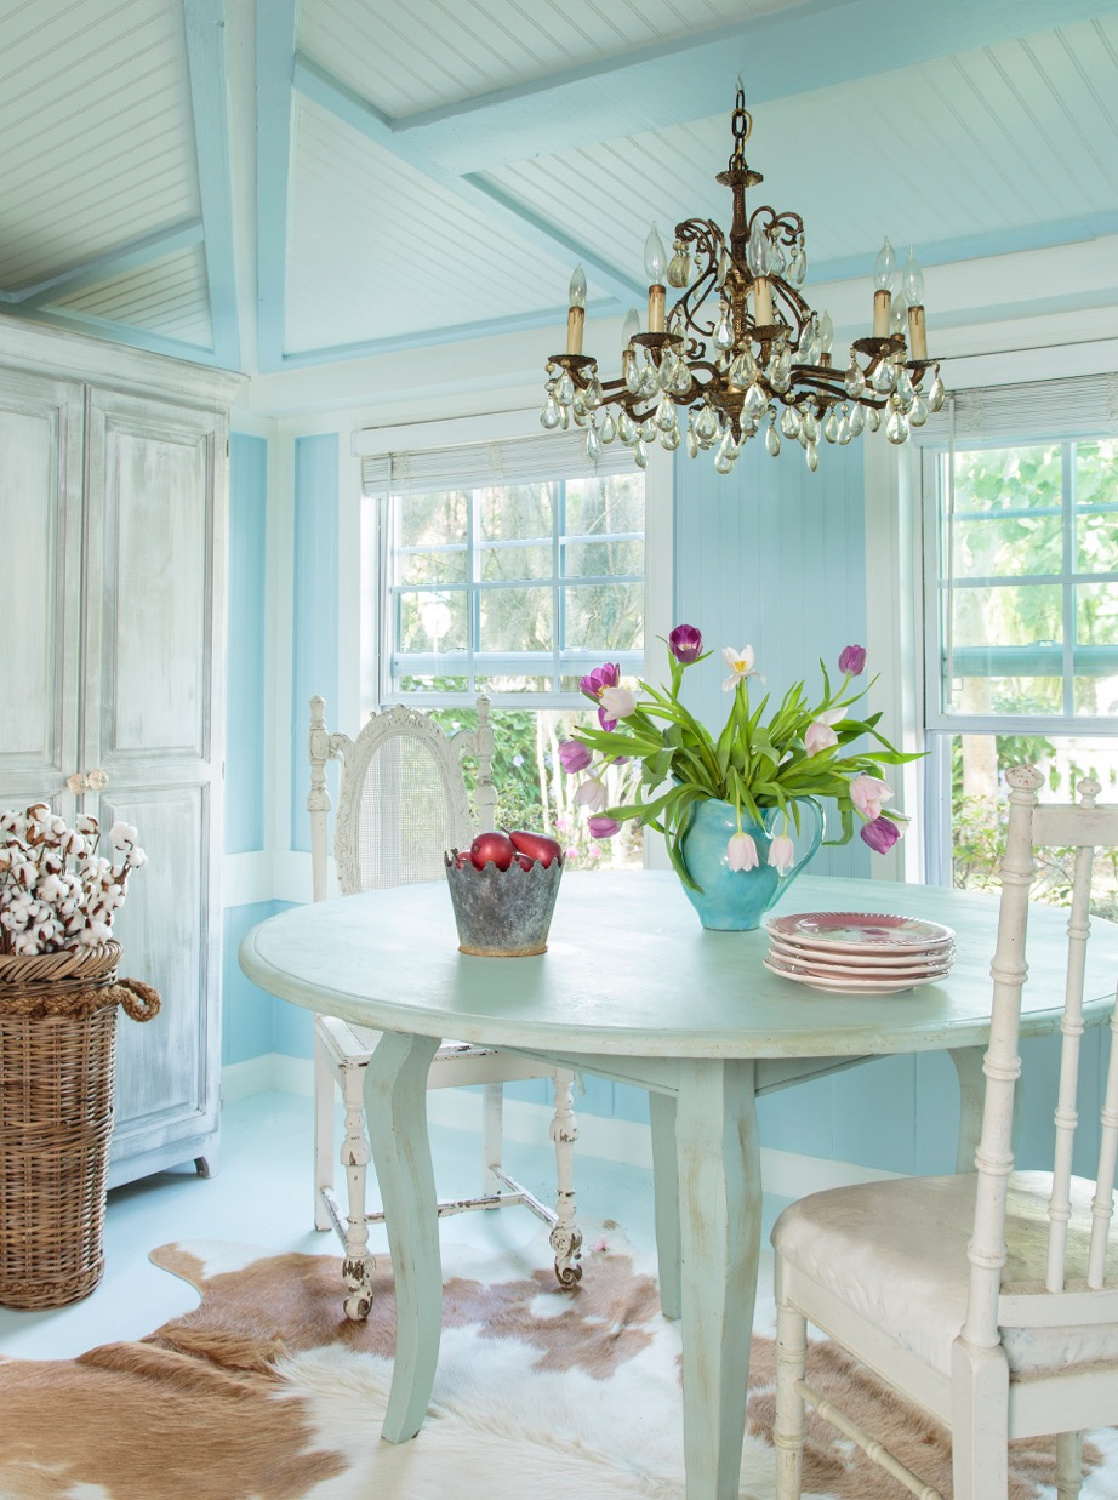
1021	624
511	569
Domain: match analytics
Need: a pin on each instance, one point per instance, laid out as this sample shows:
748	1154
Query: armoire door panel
151	645
40	525
164	1067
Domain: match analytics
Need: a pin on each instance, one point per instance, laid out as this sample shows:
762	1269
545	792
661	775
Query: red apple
536	846
463	859
493	847
524	862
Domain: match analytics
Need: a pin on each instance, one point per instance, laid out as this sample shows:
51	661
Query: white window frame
658	541
939	725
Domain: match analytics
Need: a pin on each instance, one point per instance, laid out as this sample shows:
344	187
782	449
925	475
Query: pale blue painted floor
262	1195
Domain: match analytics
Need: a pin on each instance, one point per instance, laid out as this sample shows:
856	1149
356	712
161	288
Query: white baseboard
783	1173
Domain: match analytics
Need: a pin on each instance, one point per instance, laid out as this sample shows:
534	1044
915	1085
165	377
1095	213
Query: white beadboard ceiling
432	171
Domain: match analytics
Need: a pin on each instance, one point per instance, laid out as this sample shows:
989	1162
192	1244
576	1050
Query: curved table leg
396	1103
665	1180
720	1229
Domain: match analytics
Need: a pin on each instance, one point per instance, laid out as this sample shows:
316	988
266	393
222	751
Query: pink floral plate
894	986
878	960
819	967
842	931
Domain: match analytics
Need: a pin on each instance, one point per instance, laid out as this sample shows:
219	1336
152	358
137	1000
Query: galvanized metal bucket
503	913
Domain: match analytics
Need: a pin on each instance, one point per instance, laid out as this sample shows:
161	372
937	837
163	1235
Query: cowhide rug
266	1392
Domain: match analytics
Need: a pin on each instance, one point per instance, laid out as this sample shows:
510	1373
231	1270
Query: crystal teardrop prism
565	390
809	425
640	455
692	442
755	400
873	418
722	463
844	433
723	266
670	439
743	369
649	381
811	454
633	377
780	373
724	331
831	426
772	439
918	411
578	405
858	421
665	413
593	397
564	418
797	266
668	364
608	429
681	385
896	428
549	417
938	393
884	378
904	389
707	425
790	422
854	381
648	429
593	444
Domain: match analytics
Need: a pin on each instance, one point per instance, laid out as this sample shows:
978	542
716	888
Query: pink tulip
607	675
592	794
868	793
880	835
741	852
573	756
819	736
782	855
603	828
852	660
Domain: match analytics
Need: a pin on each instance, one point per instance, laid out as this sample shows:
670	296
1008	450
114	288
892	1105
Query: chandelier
741	349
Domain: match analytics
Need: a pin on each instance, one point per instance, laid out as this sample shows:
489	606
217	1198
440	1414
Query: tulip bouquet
755	764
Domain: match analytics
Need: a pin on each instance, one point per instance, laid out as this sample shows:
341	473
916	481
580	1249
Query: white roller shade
1086	406
551	455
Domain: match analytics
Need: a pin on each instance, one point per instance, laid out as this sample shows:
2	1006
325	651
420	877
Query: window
1021	634
513	589
512	570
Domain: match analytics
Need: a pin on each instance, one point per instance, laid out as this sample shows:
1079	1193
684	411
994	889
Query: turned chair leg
566	1237
493	1109
323	1131
1069	1465
788	1431
357	1267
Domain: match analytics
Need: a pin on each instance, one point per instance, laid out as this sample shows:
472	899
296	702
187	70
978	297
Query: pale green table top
629	971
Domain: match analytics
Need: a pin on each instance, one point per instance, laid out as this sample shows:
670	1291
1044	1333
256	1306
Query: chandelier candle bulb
762	302
917	332
576	317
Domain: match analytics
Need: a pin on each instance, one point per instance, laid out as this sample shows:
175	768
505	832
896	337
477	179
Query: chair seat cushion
895	1253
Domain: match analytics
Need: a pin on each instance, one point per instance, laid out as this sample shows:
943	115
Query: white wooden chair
981	1297
402	802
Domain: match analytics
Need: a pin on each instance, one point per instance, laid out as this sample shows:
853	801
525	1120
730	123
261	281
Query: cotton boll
122	835
137	858
87	824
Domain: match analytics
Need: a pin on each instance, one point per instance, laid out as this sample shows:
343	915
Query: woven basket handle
136	999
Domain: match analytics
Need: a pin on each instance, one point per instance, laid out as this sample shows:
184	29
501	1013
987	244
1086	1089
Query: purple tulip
852	660
573	756
605	721
603	828
880	835
607	675
686	644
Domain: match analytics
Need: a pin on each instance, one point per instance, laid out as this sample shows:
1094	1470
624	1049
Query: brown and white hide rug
267	1392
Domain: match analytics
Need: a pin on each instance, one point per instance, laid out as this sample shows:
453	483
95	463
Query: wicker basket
57	1036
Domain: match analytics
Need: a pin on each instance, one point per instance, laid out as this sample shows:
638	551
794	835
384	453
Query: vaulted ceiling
299	181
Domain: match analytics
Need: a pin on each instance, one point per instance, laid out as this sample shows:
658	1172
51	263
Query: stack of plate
858	952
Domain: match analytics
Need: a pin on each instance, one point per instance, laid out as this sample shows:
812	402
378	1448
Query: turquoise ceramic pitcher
736	900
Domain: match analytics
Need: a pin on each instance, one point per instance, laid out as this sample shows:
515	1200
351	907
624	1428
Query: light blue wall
244	718
315	614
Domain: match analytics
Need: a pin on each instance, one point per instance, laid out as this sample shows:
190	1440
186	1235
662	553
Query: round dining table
633	989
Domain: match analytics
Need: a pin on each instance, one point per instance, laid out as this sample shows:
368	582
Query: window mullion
1067	494
473	592
558	576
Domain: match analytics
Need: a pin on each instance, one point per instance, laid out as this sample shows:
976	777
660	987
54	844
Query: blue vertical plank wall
314	651
247	1011
773	556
